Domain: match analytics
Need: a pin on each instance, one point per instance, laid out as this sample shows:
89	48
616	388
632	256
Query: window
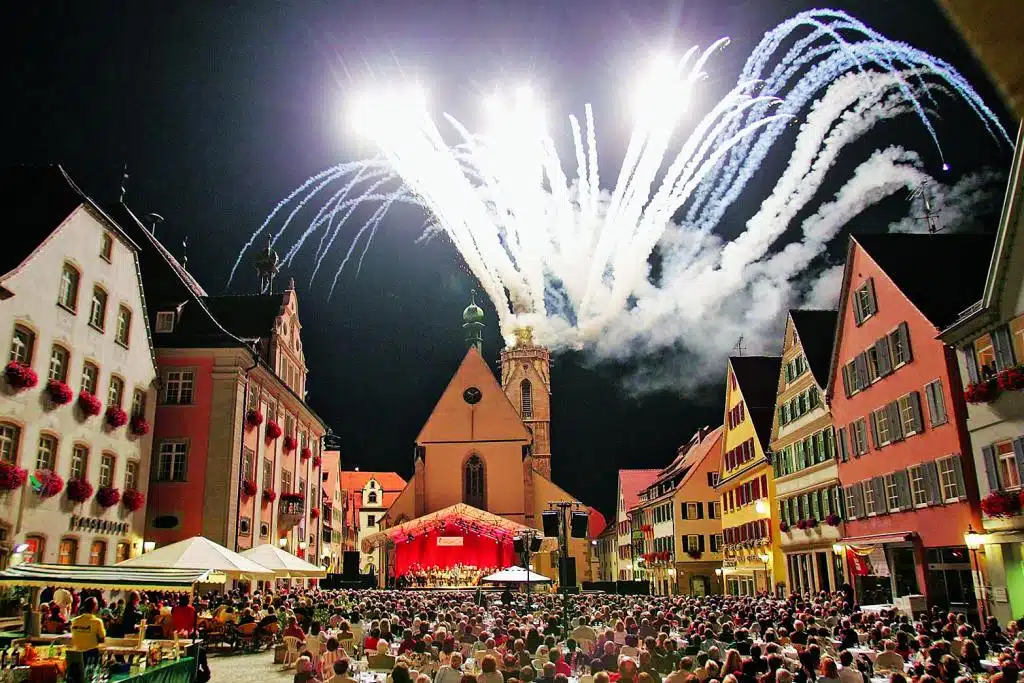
864	304
910	413
869	499
124	325
164	322
171	460
10	439
526	398
1006	465
67	295
115	392
46	455
936	403
79	462
474	482
268	473
859	437
68	553
122	552
951	479
371	520
882	432
138	402
59	363
131	475
899	345
918	490
286	482
98	309
23	343
107	464
36	549
106	246
244	526
371	497
90	377
248	463
98	553
178	386
985	356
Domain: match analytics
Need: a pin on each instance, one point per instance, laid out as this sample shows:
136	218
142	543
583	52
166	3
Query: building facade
79	387
365	499
332	526
608	554
630	483
752	561
804	457
898	411
697	516
989	335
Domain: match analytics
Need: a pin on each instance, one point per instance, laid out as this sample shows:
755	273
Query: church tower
526	379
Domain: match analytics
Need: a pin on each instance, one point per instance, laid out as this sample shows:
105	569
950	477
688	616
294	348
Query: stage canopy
107	578
516	575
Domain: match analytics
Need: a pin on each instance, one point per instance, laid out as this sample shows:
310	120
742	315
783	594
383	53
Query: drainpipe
241	450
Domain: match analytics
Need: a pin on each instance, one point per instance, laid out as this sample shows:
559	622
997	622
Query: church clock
472	395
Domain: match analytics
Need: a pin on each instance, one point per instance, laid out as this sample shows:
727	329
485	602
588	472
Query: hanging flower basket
273	430
1011	379
289	443
139	426
133	500
317	461
269	496
11	476
291	497
982	392
695	554
89	404
253	418
305	454
116	417
810	523
60	393
20	376
314	513
833	520
783	527
46	483
249	488
1000	504
108	496
79	490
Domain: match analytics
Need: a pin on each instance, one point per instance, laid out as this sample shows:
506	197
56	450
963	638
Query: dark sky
219	109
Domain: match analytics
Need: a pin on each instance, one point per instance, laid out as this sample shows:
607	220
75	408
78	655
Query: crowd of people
456	576
162	614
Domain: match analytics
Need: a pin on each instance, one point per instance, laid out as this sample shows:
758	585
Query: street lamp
764	557
974	540
761	507
148	546
282	541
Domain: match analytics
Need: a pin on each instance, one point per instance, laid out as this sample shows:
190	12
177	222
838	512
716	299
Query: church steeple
267	267
526	379
473	324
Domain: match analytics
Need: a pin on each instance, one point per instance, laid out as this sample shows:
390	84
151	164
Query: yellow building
753	559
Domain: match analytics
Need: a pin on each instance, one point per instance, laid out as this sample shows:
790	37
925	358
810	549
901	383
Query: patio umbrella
200	553
516	575
282	562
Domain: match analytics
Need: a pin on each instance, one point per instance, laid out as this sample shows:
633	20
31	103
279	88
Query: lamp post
974	541
764	557
718	573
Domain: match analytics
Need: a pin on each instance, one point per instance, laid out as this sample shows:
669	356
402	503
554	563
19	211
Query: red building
904	457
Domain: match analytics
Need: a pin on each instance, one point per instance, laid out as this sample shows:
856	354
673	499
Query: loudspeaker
550	522
519	546
535	544
350	565
578	525
567	571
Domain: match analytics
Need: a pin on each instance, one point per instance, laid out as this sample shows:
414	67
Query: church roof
491	418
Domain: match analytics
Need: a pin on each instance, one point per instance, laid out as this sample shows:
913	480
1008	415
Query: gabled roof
816	331
249	316
356	480
941	274
758	379
710	446
632	482
596	522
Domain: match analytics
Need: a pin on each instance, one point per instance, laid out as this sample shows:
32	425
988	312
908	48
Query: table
866	651
181	671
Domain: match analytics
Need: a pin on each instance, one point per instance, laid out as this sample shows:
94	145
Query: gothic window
526	398
474	482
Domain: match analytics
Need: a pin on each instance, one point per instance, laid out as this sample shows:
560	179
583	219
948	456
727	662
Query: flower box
783	527
273	430
249	488
314	513
79	490
289	443
317	461
46	483
20	376
133	500
833	520
108	496
11	476
89	404
292	497
695	554
1000	504
60	393
116	417
1011	379
139	426
253	418
982	392
269	496
306	453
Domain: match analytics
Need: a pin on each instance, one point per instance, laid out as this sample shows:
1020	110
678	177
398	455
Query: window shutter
904	333
872	302
895	423
932	487
878	488
882	352
858	315
846	381
874	429
700	510
989	455
915	404
1003	347
683	509
929	396
971	362
958	474
903	490
853	440
700	543
1018	453
860	364
844	456
856	507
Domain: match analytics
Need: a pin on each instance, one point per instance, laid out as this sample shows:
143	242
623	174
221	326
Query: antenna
739	346
153	219
921	192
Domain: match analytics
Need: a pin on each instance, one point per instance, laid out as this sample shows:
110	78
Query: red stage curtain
478	551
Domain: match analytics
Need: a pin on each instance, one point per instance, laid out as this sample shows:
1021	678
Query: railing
290	510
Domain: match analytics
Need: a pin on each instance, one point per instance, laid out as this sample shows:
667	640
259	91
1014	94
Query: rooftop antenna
921	192
739	346
153	219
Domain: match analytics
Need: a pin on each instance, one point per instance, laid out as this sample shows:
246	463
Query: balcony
291	508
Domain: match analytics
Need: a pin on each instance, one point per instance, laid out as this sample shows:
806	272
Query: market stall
199	552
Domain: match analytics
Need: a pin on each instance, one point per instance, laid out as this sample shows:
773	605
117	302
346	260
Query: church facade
486	445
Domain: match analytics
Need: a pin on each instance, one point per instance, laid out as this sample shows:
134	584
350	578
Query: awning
878	539
465	517
199	552
110	578
283	563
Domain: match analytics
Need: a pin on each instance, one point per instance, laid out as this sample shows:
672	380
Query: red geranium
306	453
139	426
1011	379
133	499
292	497
253	418
317	461
116	417
695	554
49	483
314	513
11	476
1000	504
273	430
249	488
269	496
89	404
982	392
60	393
810	523
290	443
108	496
79	490
833	519
783	527
20	376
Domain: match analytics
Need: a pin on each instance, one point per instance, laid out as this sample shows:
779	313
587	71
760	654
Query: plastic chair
291	654
313	645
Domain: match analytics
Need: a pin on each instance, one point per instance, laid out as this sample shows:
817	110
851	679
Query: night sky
219	109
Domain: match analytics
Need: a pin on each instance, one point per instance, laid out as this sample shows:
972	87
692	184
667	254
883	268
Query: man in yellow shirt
87	631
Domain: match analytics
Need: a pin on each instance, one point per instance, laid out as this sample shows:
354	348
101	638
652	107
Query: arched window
59	358
115	391
67	295
68	552
474	482
98	309
22	344
526	399
371	497
10	440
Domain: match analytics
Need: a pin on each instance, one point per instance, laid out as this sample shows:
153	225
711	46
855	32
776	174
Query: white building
74	313
366	497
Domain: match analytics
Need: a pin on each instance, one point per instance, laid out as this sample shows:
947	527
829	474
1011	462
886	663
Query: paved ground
247	669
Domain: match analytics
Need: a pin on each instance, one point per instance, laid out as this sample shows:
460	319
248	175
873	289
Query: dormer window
371	497
165	322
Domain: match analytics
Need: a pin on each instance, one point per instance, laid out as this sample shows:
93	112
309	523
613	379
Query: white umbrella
282	562
200	553
516	575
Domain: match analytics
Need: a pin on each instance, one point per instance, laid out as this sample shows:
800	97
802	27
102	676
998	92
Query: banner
858	564
878	562
449	541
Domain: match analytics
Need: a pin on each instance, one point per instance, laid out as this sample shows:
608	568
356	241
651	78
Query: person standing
87	633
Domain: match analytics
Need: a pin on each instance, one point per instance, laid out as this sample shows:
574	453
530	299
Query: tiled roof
249	316
817	330
596	522
711	444
758	378
632	482
352	482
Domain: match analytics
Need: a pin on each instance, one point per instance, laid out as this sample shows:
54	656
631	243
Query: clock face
472	396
